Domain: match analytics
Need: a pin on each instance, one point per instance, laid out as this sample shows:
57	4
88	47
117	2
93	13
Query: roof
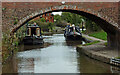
33	26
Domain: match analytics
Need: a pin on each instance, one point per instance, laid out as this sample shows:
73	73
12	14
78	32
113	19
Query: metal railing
115	61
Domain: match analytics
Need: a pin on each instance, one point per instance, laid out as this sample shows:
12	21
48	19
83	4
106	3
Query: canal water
56	56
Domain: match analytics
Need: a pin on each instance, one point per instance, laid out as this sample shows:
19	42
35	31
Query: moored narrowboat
33	35
72	33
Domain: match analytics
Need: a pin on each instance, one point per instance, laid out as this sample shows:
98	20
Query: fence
115	62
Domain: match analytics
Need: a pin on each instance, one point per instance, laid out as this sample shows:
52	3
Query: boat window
29	31
38	32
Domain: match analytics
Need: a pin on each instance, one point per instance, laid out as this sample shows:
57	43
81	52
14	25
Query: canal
56	56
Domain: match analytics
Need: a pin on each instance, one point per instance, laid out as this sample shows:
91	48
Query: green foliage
78	20
50	26
42	20
10	45
117	57
57	18
92	26
101	35
71	18
105	43
45	26
5	57
83	31
59	21
16	43
67	17
15	20
21	32
61	24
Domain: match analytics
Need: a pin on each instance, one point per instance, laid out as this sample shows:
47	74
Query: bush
45	26
92	26
105	43
61	24
15	20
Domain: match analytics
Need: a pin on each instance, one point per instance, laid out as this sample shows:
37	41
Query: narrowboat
33	35
72	33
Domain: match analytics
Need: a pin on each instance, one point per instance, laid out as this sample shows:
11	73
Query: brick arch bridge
105	14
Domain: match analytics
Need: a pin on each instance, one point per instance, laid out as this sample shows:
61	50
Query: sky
59	13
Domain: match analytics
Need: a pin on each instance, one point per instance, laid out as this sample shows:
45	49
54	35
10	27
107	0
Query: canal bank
99	51
10	43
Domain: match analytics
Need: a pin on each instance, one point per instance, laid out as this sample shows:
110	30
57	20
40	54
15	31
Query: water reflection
11	66
73	43
23	47
88	65
58	56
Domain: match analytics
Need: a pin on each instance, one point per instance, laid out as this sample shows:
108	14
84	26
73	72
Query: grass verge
100	35
105	43
117	57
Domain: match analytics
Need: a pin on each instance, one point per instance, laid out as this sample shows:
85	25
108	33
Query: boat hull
73	37
33	40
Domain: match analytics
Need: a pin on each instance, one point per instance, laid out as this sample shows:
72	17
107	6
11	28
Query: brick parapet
22	10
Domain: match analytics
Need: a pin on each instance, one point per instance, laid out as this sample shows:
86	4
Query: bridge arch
107	24
88	13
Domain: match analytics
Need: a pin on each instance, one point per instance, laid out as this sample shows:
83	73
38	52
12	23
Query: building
49	17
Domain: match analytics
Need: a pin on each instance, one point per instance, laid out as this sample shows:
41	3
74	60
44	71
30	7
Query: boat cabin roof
33	26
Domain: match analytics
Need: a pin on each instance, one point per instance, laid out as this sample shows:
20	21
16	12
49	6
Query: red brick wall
22	9
110	10
47	18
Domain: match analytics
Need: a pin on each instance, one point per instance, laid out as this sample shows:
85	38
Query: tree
92	26
42	20
67	17
57	18
72	18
